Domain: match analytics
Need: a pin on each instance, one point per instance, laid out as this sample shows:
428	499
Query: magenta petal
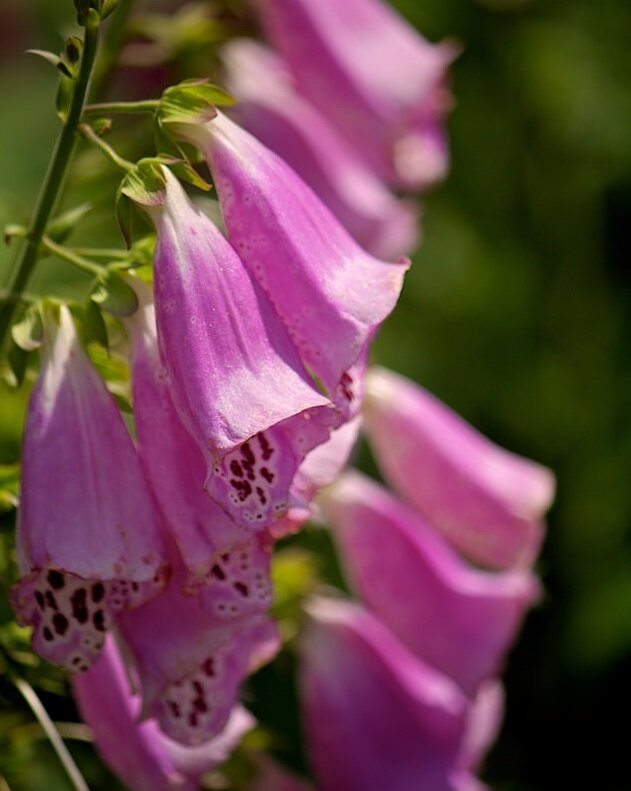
235	377
174	465
293	128
193	648
87	537
376	717
486	501
330	293
460	620
371	74
143	757
271	776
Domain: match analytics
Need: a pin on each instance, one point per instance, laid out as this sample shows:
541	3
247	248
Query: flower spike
88	541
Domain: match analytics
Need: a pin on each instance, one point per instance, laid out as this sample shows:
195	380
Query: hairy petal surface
456	618
486	501
330	293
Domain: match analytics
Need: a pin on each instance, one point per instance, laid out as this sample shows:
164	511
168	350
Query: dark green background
517	313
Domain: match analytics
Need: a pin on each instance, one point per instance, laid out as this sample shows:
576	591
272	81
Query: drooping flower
305	138
174	465
87	538
236	378
373	76
458	619
486	501
376	716
138	752
192	648
330	293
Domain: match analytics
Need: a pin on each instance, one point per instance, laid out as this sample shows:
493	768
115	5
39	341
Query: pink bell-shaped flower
138	752
305	138
330	293
235	376
458	619
192	648
174	465
373	76
486	501
376	716
87	537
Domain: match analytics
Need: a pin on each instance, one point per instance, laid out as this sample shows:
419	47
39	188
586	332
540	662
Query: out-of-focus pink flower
139	753
373	76
458	619
376	716
271	776
330	293
174	465
192	648
305	138
236	378
486	501
87	538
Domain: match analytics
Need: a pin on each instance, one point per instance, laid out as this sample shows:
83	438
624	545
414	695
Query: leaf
29	331
113	294
95	326
55	60
18	361
62	226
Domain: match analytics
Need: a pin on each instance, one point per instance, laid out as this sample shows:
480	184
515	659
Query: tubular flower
486	501
192	649
459	620
304	137
87	539
139	753
376	716
373	76
236	379
174	465
330	293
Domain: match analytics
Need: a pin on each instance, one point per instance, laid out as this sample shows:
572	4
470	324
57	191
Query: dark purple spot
261	495
243	489
198	688
98	619
48	635
193	719
199	704
235	469
345	386
175	709
218	572
51	601
79	607
225	557
246	452
55	580
39	598
135	587
266	448
241	588
209	667
265	473
98	591
60	623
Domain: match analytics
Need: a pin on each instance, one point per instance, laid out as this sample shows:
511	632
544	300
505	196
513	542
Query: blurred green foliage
517	313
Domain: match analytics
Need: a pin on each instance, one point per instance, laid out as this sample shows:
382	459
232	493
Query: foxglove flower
192	649
292	127
174	465
486	501
139	753
376	716
373	76
271	776
458	619
236	379
330	293
87	539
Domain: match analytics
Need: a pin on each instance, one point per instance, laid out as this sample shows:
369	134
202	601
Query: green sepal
62	226
192	101
106	7
179	157
29	331
95	326
144	185
63	99
9	486
17	359
57	61
73	50
113	294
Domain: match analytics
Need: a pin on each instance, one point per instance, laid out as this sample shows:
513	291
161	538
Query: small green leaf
55	60
192	101
106	7
29	331
113	294
95	326
145	183
62	226
12	231
101	126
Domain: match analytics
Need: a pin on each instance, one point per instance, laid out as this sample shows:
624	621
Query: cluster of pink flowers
249	381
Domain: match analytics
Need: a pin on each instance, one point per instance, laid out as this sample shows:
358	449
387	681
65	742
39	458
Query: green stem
99	252
104	108
109	152
68	255
53	179
67	761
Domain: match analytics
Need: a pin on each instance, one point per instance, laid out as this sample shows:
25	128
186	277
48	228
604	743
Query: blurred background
517	313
